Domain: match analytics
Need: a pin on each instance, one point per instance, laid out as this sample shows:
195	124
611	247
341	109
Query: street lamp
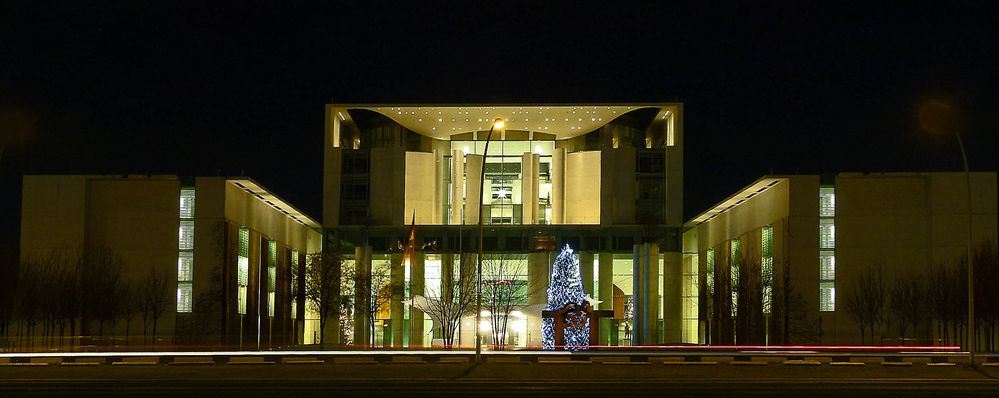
498	124
939	117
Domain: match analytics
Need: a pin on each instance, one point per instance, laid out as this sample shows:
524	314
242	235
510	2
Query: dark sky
240	88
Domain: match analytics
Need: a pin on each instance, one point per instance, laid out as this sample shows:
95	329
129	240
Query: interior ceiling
564	121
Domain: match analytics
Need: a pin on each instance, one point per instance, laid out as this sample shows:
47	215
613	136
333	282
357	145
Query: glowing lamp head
499	123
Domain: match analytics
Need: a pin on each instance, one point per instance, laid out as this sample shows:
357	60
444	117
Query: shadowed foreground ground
496	379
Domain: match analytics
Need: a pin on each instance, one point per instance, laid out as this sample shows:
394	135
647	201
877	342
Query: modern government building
604	179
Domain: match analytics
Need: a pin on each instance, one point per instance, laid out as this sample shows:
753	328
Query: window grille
184	292
185	267
186	235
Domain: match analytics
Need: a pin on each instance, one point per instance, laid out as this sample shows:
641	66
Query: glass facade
242	268
502	194
185	256
767	266
827	249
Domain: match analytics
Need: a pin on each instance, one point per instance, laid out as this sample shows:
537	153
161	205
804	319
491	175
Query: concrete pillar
362	290
416	287
473	187
645	293
606	289
605	292
586	271
672	297
652	291
397	275
251	320
538	269
638	295
558	186
530	185
457	185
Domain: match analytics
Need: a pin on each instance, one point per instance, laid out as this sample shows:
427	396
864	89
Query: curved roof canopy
563	121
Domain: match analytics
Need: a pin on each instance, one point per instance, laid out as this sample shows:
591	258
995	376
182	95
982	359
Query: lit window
827	265
184	293
767	266
242	268
827	296
827	233
709	260
734	261
186	235
185	267
186	203
827	244
827	202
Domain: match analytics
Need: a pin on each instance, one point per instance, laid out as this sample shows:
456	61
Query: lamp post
938	117
497	124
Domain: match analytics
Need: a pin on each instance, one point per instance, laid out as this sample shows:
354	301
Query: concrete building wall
388	184
135	218
244	209
906	223
422	188
582	197
617	186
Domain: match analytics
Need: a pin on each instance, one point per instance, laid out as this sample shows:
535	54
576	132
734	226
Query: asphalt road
510	380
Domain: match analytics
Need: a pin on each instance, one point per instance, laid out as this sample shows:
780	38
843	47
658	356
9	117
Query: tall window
827	249
242	267
294	284
185	255
709	261
767	265
734	259
271	275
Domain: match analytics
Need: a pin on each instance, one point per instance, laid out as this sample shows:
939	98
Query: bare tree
865	303
155	298
453	299
323	282
26	305
379	283
905	304
503	290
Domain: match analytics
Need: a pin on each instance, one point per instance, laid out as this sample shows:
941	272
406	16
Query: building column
251	320
645	279
397	275
362	290
416	287
457	185
447	278
605	292
530	185
473	187
586	272
537	293
558	186
672	297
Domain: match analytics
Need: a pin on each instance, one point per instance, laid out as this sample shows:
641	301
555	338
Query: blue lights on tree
565	292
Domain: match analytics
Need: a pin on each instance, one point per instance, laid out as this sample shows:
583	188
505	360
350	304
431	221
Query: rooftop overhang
561	120
739	198
272	200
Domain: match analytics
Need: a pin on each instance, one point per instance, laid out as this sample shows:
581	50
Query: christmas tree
566	288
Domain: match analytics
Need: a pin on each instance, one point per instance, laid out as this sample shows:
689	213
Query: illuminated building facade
814	236
606	179
230	253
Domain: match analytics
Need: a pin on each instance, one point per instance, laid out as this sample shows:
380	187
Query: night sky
240	89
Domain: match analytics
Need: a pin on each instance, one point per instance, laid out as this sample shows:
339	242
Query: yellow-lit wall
582	188
907	222
421	189
244	209
136	218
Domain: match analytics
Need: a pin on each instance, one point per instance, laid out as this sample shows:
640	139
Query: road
461	380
